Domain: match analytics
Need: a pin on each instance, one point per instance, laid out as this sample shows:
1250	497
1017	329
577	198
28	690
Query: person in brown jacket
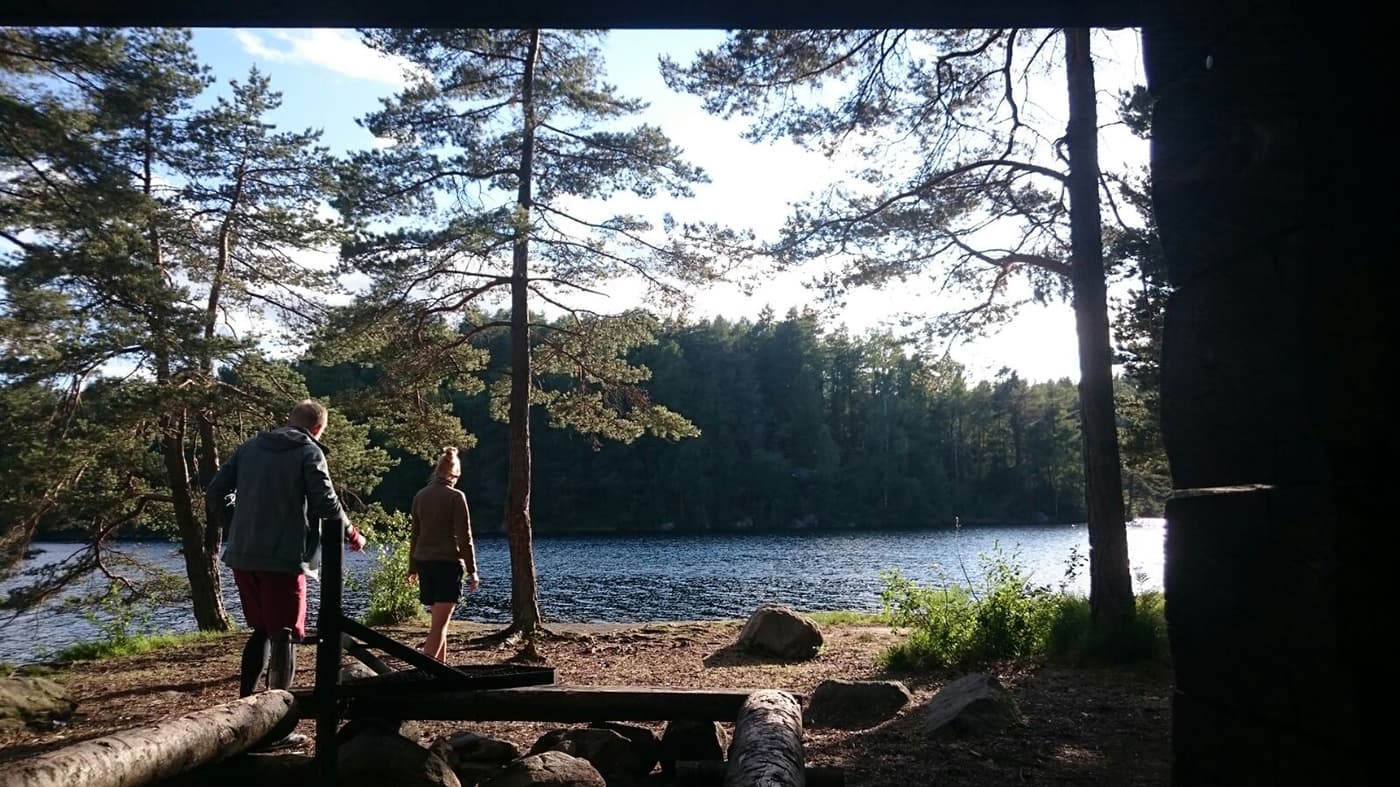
440	549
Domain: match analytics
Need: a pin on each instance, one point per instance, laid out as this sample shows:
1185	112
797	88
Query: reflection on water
668	577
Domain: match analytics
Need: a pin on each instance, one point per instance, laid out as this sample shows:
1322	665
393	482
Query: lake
659	577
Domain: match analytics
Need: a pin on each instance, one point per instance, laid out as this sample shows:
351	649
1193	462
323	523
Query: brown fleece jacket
442	526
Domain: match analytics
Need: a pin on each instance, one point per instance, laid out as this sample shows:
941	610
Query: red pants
273	600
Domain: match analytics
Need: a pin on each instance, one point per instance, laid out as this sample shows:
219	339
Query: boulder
778	631
646	748
471	774
605	750
354	671
406	728
33	701
377	757
471	747
970	706
692	740
855	704
548	769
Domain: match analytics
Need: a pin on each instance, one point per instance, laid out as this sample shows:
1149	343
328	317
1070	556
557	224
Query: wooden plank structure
581	704
330	700
767	747
768	724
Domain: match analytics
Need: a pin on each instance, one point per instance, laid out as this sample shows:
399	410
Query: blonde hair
448	465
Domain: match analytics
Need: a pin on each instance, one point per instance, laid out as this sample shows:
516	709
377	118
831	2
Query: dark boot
281	668
283	664
255	656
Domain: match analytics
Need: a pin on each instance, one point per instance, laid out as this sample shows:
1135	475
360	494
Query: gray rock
443	749
779	631
855	704
355	671
33	701
405	728
377	757
606	750
646	748
471	747
472	773
970	706
548	769
692	740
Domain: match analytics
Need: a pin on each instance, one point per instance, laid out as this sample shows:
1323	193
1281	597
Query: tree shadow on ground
1078	727
736	655
188	687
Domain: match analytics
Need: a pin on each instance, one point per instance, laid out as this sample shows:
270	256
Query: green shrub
391	598
1005	616
122	613
120	617
1071	630
941	621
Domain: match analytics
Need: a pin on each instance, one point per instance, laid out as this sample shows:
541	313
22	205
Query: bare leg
436	643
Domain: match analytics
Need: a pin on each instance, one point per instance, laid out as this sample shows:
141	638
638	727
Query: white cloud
339	51
255	47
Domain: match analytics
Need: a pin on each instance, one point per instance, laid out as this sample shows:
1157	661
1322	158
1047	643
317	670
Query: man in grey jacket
276	489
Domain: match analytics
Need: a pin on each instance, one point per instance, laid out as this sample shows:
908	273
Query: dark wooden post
1272	406
328	645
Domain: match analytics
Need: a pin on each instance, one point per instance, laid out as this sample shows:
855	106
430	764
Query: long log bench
544	703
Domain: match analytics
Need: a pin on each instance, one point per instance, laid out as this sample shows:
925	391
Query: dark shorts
440	581
273	600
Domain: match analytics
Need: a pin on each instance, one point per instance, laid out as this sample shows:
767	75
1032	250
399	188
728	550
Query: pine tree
1133	251
139	228
957	184
500	142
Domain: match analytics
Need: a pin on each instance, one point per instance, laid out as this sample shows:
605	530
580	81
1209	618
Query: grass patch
8	670
131	645
847	617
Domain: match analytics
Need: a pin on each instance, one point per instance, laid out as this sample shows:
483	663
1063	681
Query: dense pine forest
799	427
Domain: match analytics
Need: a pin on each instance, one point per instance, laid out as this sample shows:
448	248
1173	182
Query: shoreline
1079	727
496	532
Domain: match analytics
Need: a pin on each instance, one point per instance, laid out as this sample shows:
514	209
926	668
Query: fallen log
710	773
156	751
767	745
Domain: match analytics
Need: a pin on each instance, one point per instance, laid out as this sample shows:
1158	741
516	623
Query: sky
328	79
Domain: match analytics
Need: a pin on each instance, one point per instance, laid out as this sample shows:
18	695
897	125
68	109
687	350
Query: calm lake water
665	577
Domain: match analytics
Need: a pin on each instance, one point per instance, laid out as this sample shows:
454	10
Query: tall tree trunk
1110	584
207	454
524	603
200	565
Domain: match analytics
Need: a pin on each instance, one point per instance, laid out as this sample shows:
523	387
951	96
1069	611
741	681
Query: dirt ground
1080	727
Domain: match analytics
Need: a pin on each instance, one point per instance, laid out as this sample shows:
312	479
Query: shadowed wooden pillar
328	648
1270	392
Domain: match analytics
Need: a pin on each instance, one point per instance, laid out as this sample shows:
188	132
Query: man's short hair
309	415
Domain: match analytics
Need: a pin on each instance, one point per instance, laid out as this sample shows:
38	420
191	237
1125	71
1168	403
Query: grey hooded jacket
277	488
